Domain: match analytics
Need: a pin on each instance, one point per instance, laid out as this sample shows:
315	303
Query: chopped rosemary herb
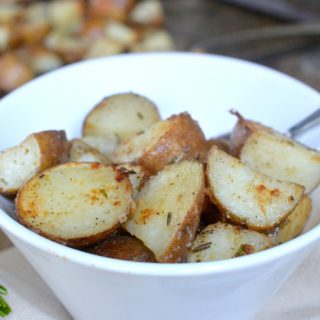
4	307
104	193
140	116
202	247
169	216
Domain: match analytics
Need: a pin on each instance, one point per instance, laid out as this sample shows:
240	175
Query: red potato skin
184	141
14	72
123	247
54	148
177	251
242	131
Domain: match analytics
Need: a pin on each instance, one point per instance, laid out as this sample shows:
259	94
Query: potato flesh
136	174
282	158
81	152
75	201
18	164
249	197
224	241
106	144
170	141
124	115
148	13
164	207
294	223
135	148
36	153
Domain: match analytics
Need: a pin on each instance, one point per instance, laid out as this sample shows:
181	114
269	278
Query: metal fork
302	126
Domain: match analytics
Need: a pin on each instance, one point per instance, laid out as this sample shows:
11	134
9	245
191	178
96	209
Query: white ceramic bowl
207	86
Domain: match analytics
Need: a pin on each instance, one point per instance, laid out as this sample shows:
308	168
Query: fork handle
305	124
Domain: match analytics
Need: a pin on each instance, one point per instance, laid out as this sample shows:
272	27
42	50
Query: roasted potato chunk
248	197
69	48
168	211
77	204
106	143
36	153
242	131
282	158
224	241
294	223
123	247
82	152
223	144
66	15
148	12
154	41
104	47
14	72
138	176
40	59
121	33
175	139
116	9
124	115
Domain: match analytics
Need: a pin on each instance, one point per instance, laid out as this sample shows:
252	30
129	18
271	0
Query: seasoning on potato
169	141
77	204
168	211
248	197
224	241
38	152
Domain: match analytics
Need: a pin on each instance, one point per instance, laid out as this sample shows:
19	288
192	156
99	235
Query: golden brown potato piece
14	72
104	47
224	241
294	223
223	144
5	37
77	204
92	28
116	9
124	115
138	176
159	40
37	11
282	158
82	152
121	33
36	153
66	15
175	139
106	143
30	33
69	48
40	59
168	211
10	12
123	247
148	12
242	131
248	197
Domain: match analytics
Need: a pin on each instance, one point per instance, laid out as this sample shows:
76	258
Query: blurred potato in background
39	36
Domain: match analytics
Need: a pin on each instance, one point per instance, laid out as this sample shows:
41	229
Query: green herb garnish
202	247
4	307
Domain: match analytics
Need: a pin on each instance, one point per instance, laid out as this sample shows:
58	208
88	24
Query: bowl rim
28	237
